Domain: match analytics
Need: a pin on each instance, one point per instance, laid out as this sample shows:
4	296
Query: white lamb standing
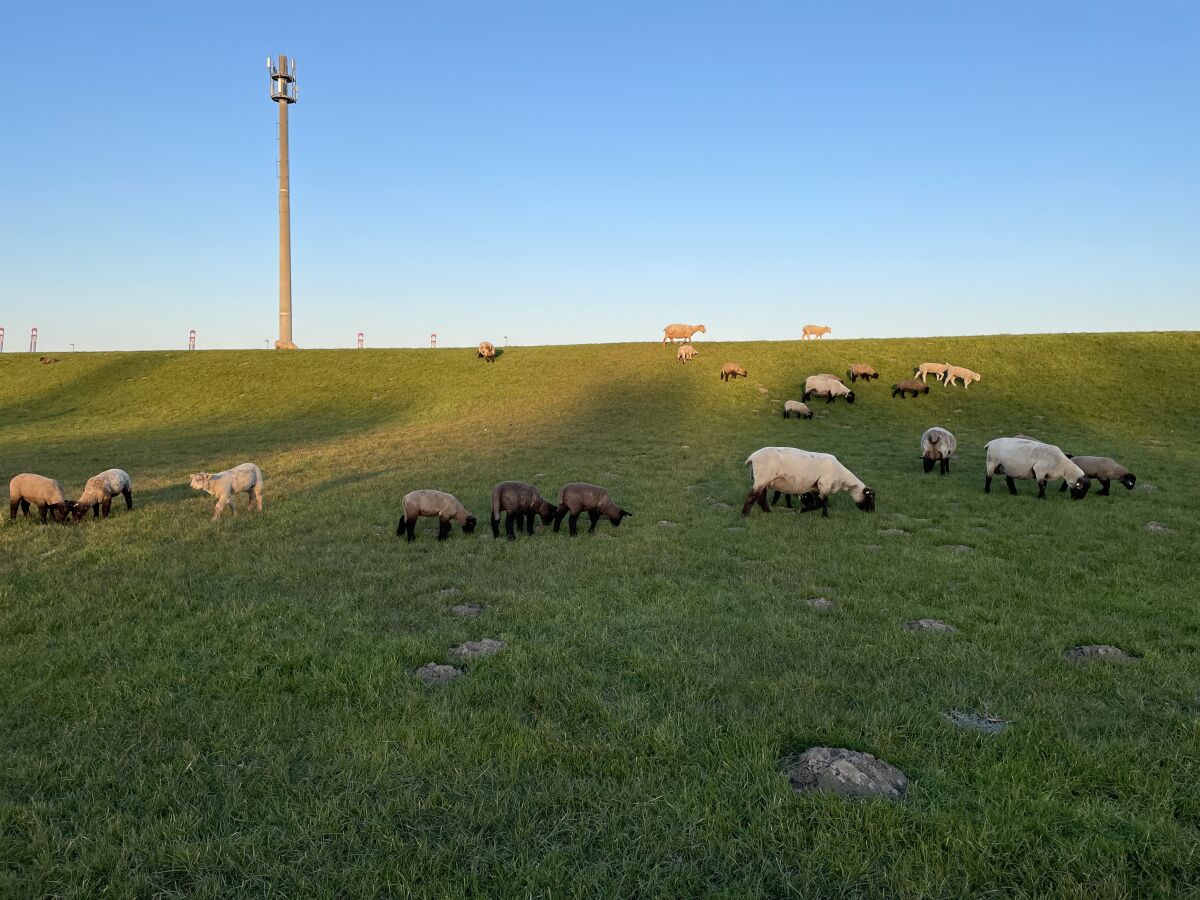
1015	457
813	476
245	478
966	376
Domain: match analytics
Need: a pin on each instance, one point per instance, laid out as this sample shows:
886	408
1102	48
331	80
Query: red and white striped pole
33	340
433	341
192	339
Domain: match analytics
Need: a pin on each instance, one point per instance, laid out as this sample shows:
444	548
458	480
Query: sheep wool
686	352
862	370
677	331
937	370
99	491
1023	458
579	497
826	386
937	446
793	471
435	505
732	370
244	479
45	493
966	376
795	406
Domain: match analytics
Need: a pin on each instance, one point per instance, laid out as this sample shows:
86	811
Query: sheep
99	491
814	476
814	331
795	406
732	370
909	386
686	352
937	446
830	375
673	332
863	371
966	376
518	501
1015	457
433	504
44	493
937	370
1104	470
487	350
245	478
826	386
580	497
47	360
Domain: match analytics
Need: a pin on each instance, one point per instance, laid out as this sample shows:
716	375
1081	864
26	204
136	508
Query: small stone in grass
478	649
665	524
1157	526
930	625
437	673
1146	487
986	724
894	531
958	548
1107	652
721	507
446	592
846	772
820	603
467	610
735	528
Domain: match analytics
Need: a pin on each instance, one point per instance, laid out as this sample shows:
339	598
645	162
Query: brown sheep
674	332
1105	470
862	370
907	386
686	353
487	350
44	493
434	504
814	331
580	497
520	502
732	370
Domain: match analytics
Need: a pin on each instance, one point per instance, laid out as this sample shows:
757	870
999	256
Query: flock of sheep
787	471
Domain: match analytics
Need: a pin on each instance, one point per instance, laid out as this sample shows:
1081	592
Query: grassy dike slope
205	709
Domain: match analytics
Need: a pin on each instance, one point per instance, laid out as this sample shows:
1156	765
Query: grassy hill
207	709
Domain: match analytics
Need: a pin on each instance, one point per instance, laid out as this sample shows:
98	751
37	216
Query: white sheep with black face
813	476
45	493
937	446
99	491
1015	457
827	386
795	406
243	479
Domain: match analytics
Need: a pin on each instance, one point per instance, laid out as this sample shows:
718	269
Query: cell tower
284	92
33	340
192	339
360	340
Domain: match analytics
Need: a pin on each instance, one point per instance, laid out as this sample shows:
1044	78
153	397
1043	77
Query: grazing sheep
47	360
519	502
863	371
732	370
966	376
99	491
795	406
44	493
487	350
580	497
1015	457
937	446
937	370
827	386
673	333
686	352
830	375
814	331
791	471
909	386
245	478
1103	469
435	505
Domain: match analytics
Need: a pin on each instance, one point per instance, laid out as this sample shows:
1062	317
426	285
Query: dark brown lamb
520	503
579	497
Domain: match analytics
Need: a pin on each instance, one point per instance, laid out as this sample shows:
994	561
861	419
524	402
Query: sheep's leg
1012	485
1063	488
42	510
12	508
443	529
787	499
411	528
775	498
508	526
572	523
128	495
749	502
529	522
593	517
945	466
495	520
987	484
95	510
220	507
24	507
1104	482
762	501
785	414
106	506
1042	489
825	507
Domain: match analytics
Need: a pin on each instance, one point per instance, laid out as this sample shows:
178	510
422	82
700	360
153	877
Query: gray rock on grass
437	673
848	773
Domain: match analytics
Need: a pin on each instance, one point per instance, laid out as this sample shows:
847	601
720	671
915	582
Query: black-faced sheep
909	386
245	478
487	350
520	503
1023	458
966	376
863	371
795	406
827	386
1103	469
814	331
732	370
937	446
937	370
686	352
99	491
580	497
792	471
673	333
435	505
44	493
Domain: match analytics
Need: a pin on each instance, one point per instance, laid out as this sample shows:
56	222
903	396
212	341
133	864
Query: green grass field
227	709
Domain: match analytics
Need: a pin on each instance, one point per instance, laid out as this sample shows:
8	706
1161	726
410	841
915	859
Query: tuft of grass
202	709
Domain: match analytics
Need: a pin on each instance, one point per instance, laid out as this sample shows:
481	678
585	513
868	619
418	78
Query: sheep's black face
850	397
548	512
1080	488
810	500
927	463
469	525
1129	481
76	510
867	503
616	520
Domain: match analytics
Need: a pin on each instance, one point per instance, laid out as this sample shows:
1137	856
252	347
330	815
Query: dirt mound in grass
975	721
468	610
821	603
437	673
478	649
1106	652
930	625
849	773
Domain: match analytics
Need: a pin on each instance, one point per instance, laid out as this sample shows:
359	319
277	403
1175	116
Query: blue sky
565	172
